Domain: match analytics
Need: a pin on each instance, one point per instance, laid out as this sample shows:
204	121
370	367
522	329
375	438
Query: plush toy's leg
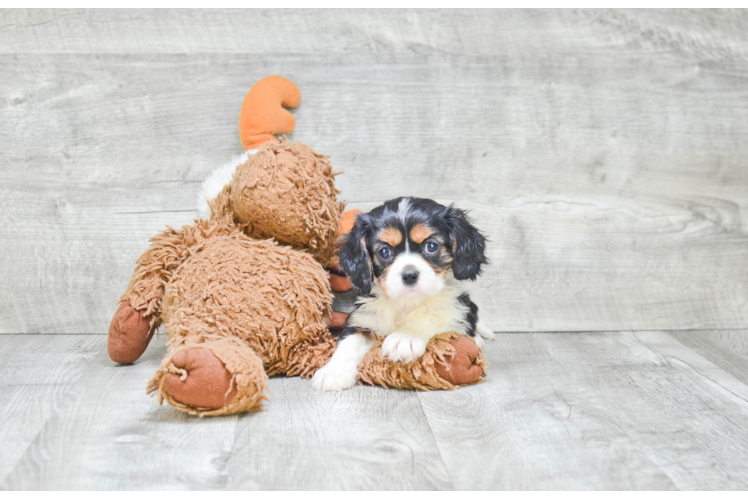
129	334
201	381
139	313
306	357
466	365
337	321
210	376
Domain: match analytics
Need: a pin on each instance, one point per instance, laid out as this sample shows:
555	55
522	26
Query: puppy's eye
431	247
385	252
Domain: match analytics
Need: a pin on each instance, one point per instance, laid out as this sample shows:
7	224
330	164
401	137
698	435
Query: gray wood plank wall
604	153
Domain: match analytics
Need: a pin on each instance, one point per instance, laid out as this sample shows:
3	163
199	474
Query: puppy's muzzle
410	275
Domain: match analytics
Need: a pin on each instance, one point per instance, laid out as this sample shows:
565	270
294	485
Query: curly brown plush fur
239	307
167	251
285	191
450	360
220	287
272	297
214	287
260	307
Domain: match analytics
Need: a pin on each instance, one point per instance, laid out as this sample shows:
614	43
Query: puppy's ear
468	245
355	260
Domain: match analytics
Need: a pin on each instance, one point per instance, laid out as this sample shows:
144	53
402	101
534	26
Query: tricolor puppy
406	258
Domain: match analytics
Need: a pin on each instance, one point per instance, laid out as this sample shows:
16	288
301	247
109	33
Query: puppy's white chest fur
420	316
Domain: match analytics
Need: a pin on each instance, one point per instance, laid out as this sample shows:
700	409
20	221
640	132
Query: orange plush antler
262	113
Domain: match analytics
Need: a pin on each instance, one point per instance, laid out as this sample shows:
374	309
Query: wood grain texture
365	438
108	434
36	373
603	152
481	32
568	411
595	411
727	349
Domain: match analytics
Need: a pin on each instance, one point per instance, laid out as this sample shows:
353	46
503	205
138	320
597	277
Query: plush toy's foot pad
450	360
129	334
339	282
462	367
337	320
210	375
201	380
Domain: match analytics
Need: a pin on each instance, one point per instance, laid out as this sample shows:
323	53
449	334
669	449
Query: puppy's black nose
410	276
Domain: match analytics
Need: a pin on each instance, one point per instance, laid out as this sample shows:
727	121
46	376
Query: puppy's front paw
478	341
400	347
335	377
483	331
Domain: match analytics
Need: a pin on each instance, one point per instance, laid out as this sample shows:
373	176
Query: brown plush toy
243	294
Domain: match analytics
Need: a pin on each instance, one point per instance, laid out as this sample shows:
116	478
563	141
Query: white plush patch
341	372
401	347
429	283
215	182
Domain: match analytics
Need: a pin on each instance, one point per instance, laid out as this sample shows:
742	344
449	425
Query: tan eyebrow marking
419	232
391	235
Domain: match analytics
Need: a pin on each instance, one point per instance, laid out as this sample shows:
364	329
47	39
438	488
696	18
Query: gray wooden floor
643	410
603	152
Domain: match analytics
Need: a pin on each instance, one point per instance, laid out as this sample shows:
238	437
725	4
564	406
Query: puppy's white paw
335	377
400	347
479	341
483	331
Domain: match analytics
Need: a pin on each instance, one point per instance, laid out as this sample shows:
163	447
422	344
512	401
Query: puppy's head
408	246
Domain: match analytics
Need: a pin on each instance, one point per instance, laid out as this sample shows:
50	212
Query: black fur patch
471	318
350	330
469	245
355	260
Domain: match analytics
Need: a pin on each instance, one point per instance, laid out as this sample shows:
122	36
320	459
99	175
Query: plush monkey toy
243	293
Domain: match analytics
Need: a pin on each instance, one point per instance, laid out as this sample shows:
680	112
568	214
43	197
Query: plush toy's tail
263	113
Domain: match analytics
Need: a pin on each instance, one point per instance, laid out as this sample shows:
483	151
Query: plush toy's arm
168	250
450	360
139	313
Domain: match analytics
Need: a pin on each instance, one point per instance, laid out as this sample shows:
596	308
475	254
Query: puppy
406	258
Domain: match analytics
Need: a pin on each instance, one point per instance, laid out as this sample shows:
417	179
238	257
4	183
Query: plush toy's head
283	190
286	191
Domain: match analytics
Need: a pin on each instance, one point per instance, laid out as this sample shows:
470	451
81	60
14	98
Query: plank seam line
689	365
63	398
436	442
